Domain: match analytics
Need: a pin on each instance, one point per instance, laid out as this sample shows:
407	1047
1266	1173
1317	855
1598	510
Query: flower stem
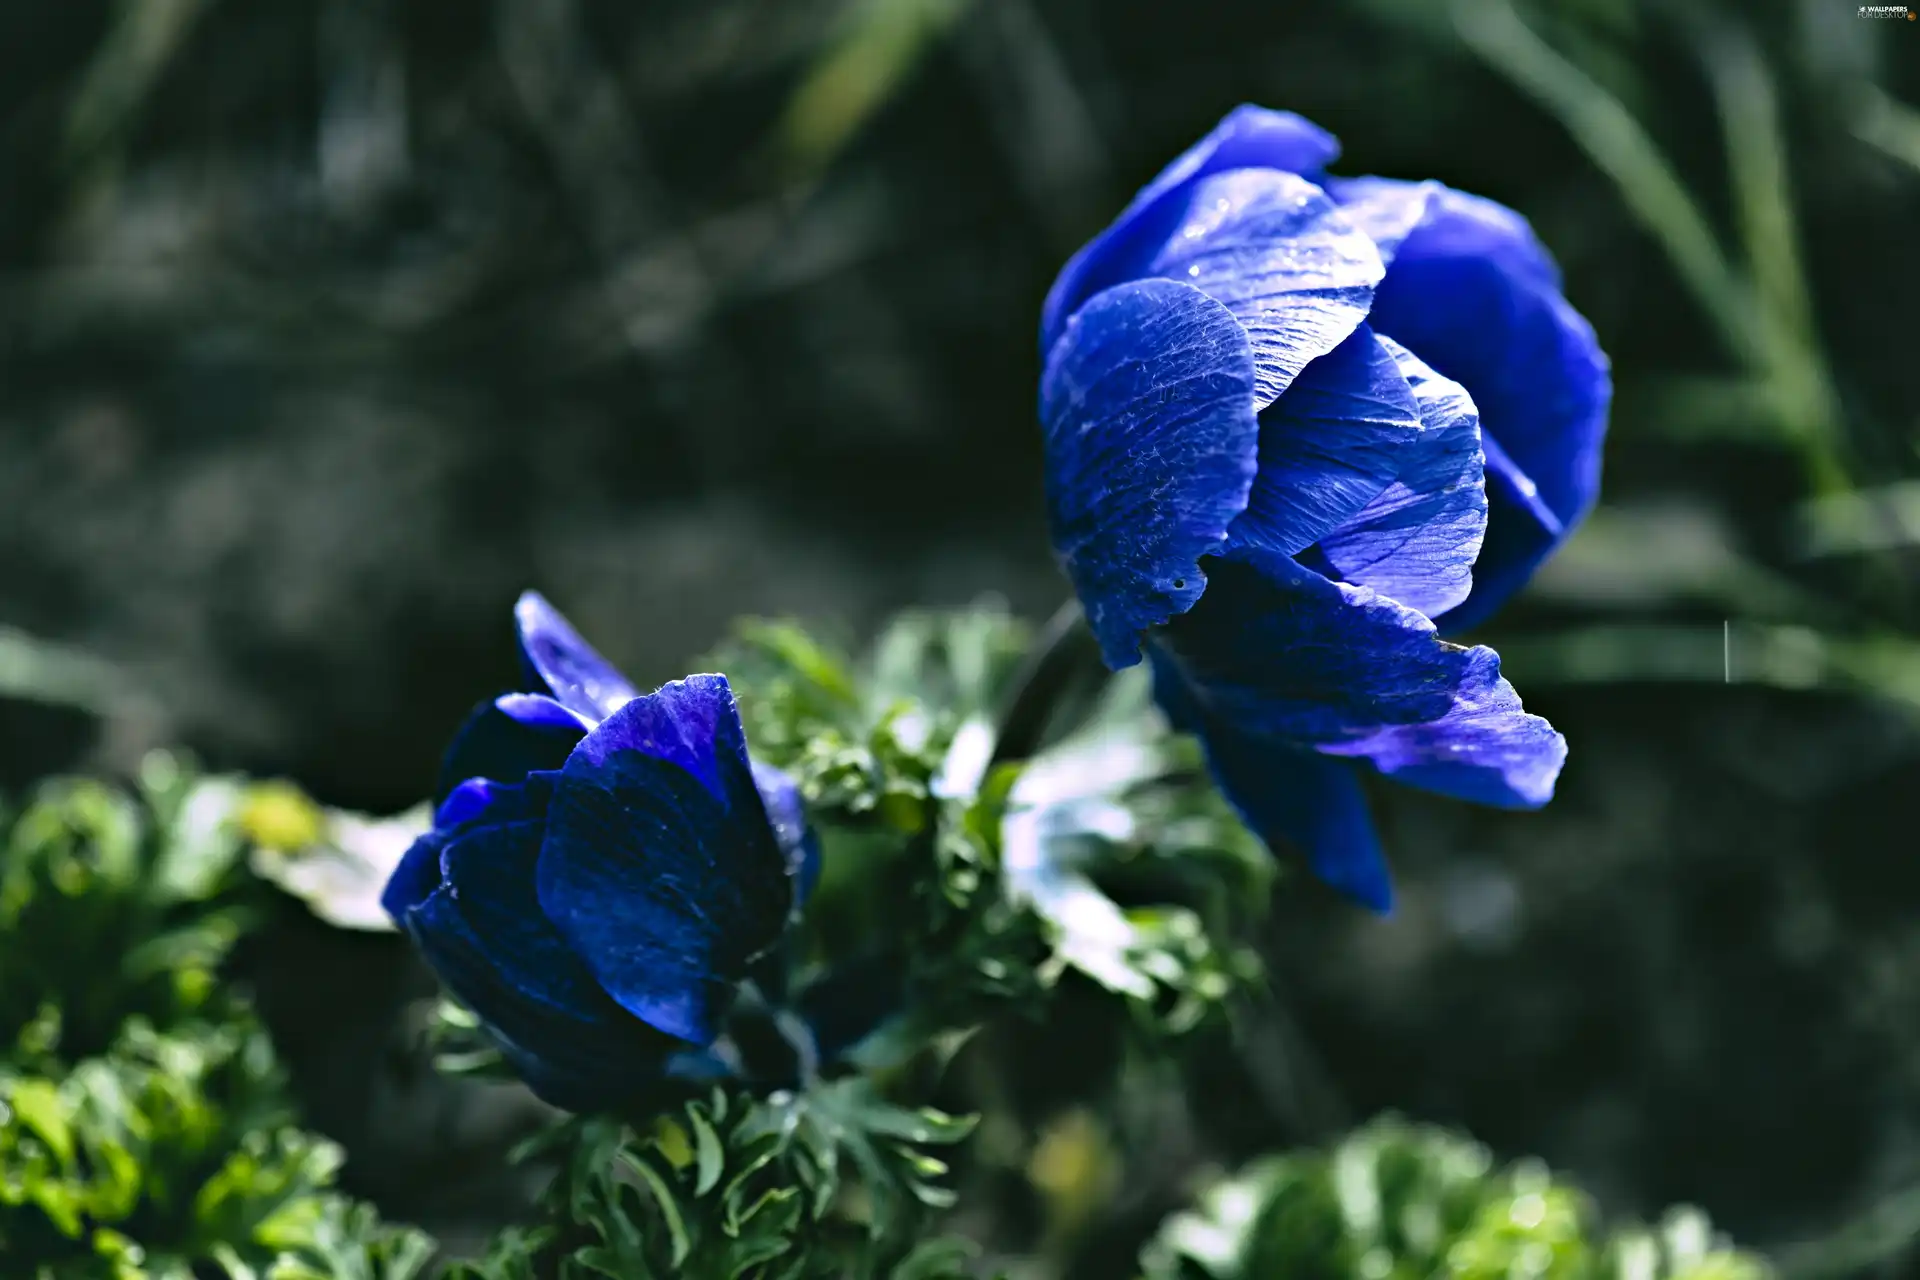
1063	654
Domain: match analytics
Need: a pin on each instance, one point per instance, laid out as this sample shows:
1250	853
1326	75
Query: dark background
326	326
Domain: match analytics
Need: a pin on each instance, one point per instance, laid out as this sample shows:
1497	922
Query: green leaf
938	1259
668	1203
36	1104
1406	1202
708	1153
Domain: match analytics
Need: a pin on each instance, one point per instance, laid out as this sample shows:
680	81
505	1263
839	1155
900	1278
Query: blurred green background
328	325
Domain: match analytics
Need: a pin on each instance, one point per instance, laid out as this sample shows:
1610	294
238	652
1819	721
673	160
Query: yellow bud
672	1142
1072	1166
280	816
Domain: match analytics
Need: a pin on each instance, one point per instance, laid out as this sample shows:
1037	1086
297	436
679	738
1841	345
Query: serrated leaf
668	1203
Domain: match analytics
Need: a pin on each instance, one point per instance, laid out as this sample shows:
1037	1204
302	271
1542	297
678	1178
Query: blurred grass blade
1621	149
37	670
1881	519
1885	666
1878	1237
1702	407
1888	125
143	38
881	43
1658	555
1763	201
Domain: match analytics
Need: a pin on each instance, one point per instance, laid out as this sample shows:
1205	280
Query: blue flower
1293	422
605	869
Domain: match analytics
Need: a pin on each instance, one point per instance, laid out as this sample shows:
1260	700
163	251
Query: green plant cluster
1397	1201
832	1181
1104	853
146	1131
983	883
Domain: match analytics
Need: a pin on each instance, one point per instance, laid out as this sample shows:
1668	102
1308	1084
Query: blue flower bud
604	870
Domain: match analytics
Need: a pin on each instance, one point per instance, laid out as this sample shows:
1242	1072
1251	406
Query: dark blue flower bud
605	872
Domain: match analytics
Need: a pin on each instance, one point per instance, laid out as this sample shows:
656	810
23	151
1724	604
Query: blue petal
1473	293
538	711
473	802
1330	446
416	876
467	802
667	884
484	800
788	816
1281	652
492	744
692	723
1521	533
1280	255
1291	798
1485	748
1386	209
1248	138
558	660
484	934
1151	440
1416	542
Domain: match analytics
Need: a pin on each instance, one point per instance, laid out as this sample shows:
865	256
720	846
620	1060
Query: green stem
1064	651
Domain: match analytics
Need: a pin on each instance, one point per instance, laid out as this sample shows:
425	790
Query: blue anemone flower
1296	427
605	870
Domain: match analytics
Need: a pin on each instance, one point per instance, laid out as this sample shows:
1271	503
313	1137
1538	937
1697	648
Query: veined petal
1281	652
1521	533
492	744
1151	439
1292	798
1280	255
1387	209
557	660
1249	137
692	723
1330	446
1485	748
1417	541
483	932
1472	292
665	889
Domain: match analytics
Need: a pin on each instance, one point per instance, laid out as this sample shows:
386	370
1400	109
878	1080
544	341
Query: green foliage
1108	855
830	1181
1395	1201
112	907
145	1128
175	1150
1120	812
867	739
